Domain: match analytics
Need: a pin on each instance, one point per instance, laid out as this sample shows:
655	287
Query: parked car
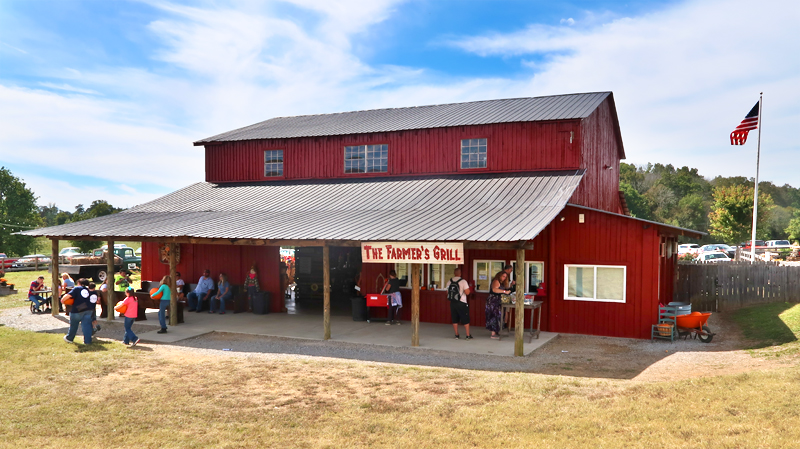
30	261
729	250
688	248
746	245
70	251
776	244
6	262
714	257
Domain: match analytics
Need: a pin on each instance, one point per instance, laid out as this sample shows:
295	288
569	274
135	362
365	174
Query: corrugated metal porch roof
508	207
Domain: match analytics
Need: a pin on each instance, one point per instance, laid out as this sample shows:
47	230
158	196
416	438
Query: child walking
131	312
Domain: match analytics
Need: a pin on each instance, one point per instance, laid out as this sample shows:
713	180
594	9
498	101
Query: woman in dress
493	308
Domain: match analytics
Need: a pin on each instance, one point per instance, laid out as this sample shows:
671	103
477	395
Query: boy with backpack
457	293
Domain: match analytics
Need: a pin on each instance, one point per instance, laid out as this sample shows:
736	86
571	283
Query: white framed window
534	275
403	271
484	271
603	283
439	276
473	153
273	163
366	159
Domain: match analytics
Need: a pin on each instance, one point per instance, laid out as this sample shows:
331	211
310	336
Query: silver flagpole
755	195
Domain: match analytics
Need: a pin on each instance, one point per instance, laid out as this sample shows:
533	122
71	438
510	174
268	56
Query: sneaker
458	337
68	340
397	322
495	337
222	313
162	331
388	323
468	337
135	342
98	328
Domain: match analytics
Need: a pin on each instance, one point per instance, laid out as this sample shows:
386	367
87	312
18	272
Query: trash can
261	303
359	308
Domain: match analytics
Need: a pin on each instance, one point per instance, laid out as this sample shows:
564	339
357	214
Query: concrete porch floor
343	328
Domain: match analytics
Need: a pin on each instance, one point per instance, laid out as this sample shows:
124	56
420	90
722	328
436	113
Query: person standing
131	313
205	286
223	293
33	293
511	286
81	312
251	284
457	293
94	296
166	295
392	288
493	304
122	281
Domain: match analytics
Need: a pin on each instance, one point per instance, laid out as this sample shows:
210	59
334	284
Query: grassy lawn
22	280
109	396
773	329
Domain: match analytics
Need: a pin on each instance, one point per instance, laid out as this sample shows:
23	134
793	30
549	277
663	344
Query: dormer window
366	159
473	153
273	163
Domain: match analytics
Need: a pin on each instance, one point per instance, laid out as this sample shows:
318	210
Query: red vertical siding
233	260
605	239
600	149
511	147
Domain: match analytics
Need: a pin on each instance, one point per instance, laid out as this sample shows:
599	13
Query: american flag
750	122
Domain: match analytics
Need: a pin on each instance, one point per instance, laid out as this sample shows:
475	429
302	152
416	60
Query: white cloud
683	78
68	88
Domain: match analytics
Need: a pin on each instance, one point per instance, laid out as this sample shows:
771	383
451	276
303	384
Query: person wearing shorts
459	310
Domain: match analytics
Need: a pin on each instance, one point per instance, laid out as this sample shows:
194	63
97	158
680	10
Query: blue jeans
36	300
130	337
195	301
162	313
215	299
84	319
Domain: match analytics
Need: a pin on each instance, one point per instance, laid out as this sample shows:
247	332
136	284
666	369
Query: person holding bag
129	308
395	303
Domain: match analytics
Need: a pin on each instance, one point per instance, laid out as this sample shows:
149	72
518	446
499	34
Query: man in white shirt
459	309
203	291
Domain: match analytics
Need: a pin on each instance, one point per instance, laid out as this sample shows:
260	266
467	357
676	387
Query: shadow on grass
769	324
96	345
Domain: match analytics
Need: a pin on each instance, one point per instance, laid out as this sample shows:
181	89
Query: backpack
453	293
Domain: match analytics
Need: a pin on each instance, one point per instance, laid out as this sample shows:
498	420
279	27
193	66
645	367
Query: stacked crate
667	328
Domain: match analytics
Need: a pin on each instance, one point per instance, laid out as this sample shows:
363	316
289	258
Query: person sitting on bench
223	293
205	286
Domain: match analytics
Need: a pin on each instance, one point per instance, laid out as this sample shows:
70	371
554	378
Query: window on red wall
366	159
273	163
473	153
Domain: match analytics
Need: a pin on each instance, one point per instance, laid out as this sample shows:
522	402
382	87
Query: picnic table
535	305
47	295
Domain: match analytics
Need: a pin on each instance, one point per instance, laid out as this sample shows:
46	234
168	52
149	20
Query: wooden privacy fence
725	286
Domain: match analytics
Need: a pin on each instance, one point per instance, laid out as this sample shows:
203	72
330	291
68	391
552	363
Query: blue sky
102	100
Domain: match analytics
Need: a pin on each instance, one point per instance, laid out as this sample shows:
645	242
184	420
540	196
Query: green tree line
19	212
721	207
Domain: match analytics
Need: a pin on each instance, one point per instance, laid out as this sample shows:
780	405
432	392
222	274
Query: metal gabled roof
508	207
556	107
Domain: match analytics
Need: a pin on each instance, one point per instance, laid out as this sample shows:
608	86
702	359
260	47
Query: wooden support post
54	278
173	287
519	322
326	286
111	299
415	304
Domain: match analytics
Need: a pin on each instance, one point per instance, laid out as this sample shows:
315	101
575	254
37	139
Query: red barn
534	174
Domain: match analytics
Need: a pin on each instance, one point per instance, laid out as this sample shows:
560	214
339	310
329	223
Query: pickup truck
94	266
778	244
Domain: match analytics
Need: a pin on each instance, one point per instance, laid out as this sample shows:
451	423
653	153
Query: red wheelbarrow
694	324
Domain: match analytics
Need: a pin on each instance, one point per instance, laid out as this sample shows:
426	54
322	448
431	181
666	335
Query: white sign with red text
411	252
